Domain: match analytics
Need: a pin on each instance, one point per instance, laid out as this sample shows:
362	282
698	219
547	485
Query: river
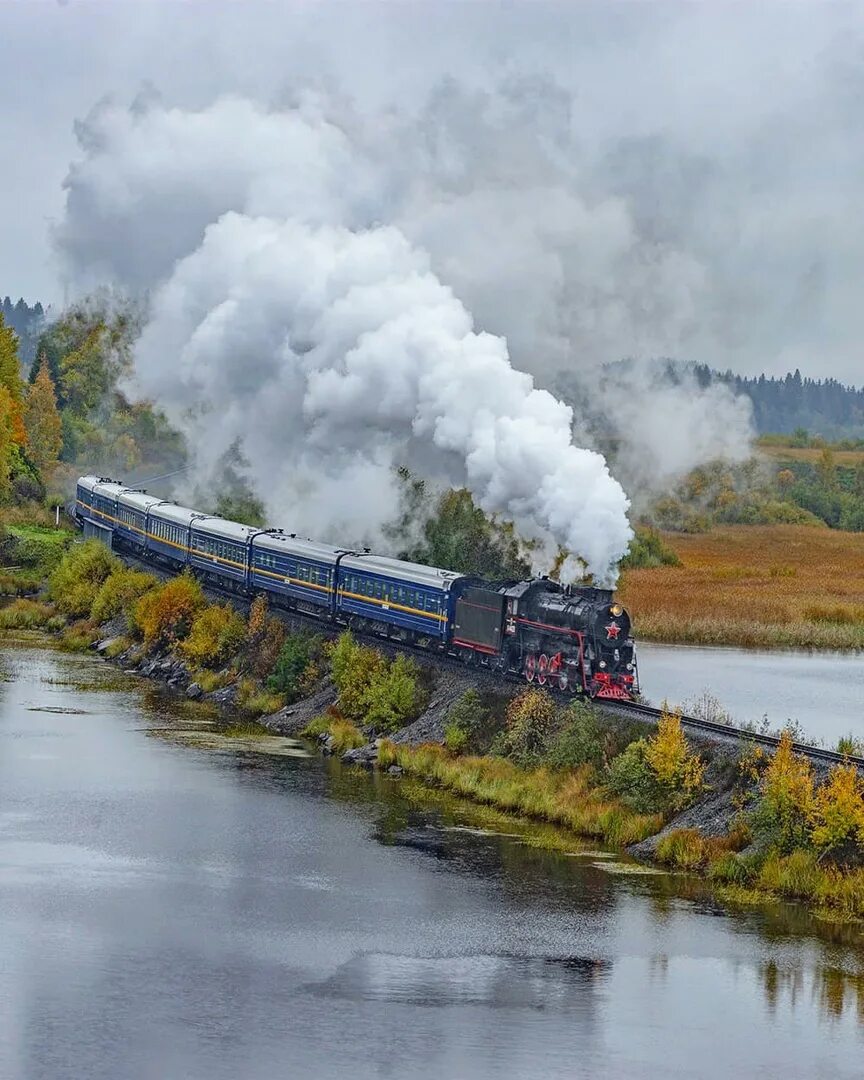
822	692
172	912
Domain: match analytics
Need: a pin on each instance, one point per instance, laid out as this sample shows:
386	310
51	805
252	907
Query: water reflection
169	911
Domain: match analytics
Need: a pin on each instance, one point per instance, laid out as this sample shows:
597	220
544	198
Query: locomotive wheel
542	669
563	678
530	667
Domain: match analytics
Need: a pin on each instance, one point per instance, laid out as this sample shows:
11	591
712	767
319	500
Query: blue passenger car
132	512
168	531
402	594
220	547
301	570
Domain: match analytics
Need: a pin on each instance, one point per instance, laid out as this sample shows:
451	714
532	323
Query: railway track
726	731
709	728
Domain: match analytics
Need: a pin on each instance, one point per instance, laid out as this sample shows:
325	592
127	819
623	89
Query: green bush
630	777
648	550
468	721
395	696
297	666
382	695
119	592
25	615
79	576
455	738
216	635
36	546
579	742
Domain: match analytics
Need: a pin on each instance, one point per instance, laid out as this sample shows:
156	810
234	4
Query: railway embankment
759	824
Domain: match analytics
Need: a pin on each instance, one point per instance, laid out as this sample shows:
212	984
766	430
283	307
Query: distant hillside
28	323
822	406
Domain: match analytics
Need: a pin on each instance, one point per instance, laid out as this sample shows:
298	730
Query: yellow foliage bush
119	592
79	576
782	816
837	812
165	615
216	635
669	758
265	636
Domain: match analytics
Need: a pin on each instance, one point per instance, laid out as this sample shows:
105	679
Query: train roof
139	500
212	525
416	573
110	489
179	515
286	544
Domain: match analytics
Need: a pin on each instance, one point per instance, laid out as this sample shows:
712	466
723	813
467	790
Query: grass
212	680
810	454
254	701
344	734
25	615
247	729
571	799
778	586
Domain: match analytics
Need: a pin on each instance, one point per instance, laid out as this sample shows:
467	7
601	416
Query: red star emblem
612	630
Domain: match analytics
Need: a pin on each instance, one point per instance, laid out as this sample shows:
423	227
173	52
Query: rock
394	770
166	665
101	646
194	691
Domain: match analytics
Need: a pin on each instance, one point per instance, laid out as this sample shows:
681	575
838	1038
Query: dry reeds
780	586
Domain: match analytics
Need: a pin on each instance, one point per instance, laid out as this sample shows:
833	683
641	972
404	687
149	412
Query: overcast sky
730	136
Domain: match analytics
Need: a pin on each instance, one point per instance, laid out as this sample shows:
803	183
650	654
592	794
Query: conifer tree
44	427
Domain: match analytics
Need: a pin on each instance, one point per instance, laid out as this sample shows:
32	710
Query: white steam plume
334	355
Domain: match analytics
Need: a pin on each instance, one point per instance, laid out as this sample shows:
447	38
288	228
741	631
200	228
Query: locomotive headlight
602	663
616	610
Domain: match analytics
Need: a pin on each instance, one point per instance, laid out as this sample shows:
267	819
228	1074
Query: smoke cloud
300	261
334	355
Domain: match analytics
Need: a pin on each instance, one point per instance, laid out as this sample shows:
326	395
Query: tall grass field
772	586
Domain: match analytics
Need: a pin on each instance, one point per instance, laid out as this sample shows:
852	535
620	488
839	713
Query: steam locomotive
576	639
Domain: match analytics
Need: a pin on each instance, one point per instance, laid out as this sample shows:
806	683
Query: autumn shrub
531	720
165	615
781	818
79	637
79	576
837	811
658	773
265	635
298	666
119	592
354	667
217	632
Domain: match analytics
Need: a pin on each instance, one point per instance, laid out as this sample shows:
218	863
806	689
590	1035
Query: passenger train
576	639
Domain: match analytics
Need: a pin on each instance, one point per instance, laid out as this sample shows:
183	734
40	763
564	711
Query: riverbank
707	808
755	586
